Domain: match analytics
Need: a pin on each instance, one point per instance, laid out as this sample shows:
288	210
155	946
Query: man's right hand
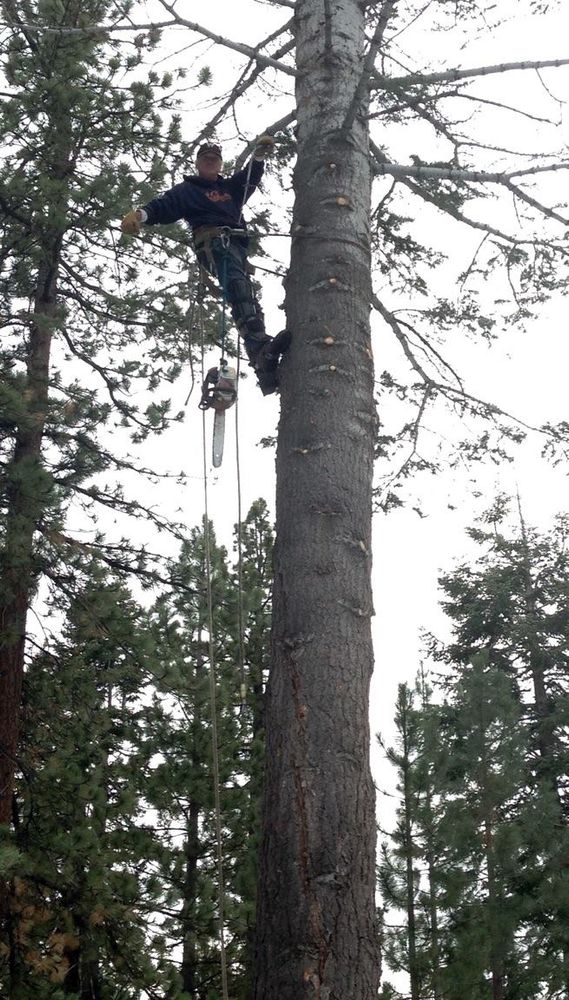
264	146
132	222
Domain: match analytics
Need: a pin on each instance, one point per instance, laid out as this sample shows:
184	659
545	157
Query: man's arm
168	207
238	181
241	188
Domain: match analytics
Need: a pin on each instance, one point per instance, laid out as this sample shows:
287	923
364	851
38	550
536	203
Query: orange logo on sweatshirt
218	196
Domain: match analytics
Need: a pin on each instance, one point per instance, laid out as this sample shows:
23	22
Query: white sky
526	373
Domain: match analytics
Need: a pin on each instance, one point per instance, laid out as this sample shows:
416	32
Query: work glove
264	147
132	222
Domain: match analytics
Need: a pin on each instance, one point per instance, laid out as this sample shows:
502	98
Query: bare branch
273	129
452	393
476	99
246	50
104	30
363	82
246	81
428	348
459	174
403	340
543	209
451	75
380	159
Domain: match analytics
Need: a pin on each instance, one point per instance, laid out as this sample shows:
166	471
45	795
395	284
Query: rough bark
316	922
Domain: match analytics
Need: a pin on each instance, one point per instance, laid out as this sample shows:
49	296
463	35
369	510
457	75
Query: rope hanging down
213	704
240	610
211	648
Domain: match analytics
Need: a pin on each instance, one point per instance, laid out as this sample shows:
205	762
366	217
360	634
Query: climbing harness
203	236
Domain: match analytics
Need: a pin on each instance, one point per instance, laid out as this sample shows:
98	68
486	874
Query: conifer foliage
112	875
475	874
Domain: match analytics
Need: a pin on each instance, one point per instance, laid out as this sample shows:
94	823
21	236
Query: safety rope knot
219	389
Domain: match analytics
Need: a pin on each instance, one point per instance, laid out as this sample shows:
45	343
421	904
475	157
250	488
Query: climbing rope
223	278
245	191
240	612
190	332
213	701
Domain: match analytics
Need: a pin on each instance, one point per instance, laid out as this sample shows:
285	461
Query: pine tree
116	885
488	835
67	122
78	892
414	858
511	606
180	786
399	875
481	786
429	841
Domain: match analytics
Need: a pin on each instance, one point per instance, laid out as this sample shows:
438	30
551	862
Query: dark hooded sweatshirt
206	203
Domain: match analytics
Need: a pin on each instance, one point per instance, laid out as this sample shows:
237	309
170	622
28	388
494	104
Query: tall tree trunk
316	921
83	979
548	764
433	907
409	873
188	914
494	902
27	485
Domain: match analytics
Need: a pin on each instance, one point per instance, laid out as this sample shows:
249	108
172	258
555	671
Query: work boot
267	359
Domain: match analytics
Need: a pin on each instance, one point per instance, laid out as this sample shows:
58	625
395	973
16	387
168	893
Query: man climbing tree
213	206
316	928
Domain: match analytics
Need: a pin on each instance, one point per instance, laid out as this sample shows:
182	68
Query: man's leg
263	352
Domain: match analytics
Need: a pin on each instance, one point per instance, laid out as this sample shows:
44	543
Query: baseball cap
209	148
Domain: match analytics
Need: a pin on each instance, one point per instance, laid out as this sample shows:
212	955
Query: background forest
129	853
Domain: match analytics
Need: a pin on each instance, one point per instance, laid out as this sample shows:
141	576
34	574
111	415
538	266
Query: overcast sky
525	372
